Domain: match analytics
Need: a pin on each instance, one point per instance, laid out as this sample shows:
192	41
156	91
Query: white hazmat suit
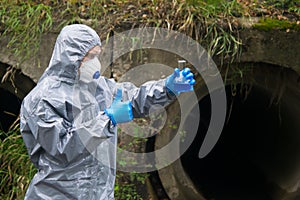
69	139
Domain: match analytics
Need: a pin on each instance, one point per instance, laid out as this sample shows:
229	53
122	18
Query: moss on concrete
271	24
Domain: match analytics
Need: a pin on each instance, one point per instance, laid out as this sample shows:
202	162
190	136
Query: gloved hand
119	112
180	81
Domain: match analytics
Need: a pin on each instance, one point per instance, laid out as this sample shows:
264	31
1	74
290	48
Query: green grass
211	22
284	4
16	168
24	23
127	184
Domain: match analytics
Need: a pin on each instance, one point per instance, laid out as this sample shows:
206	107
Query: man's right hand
180	81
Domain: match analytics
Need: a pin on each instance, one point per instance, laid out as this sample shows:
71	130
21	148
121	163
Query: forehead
95	50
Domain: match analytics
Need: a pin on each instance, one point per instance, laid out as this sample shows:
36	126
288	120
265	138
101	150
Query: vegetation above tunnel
212	22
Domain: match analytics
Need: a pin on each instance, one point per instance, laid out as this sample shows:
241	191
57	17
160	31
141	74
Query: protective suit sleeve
49	129
148	94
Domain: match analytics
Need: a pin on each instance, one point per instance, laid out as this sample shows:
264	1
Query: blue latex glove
180	81
119	112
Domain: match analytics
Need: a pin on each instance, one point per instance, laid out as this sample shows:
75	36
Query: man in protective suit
68	121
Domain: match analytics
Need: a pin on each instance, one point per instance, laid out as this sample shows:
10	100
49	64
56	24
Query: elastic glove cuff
108	112
172	92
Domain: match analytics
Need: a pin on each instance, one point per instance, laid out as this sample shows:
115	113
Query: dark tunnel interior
249	150
9	109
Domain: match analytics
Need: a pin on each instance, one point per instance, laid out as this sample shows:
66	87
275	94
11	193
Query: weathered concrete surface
274	47
32	68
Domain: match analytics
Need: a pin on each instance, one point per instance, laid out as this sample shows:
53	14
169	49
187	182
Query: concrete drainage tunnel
12	94
257	155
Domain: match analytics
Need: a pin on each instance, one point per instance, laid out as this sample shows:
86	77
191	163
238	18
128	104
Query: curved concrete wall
273	47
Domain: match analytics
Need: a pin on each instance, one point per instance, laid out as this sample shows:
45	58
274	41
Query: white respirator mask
90	70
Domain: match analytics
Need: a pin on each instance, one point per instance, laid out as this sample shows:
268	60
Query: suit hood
72	44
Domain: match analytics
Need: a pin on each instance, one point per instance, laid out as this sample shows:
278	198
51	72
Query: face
90	65
95	51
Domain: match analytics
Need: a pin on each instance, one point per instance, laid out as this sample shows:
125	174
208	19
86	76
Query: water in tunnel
255	152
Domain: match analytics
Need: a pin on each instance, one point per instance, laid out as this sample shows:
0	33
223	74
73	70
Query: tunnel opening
14	86
258	147
9	109
257	155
